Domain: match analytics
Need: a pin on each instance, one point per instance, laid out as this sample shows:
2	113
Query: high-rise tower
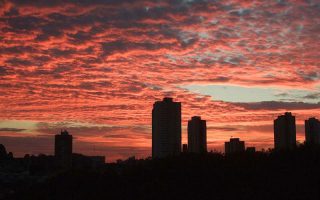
312	131
197	135
63	149
285	132
166	128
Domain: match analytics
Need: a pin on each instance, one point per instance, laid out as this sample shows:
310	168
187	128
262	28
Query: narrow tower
312	131
285	132
197	135
166	128
63	149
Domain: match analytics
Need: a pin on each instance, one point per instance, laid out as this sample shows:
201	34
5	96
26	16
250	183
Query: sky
95	68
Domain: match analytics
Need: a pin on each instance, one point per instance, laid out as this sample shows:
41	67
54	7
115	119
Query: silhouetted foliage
261	175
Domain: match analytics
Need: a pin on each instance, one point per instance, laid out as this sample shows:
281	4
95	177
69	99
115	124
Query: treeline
260	175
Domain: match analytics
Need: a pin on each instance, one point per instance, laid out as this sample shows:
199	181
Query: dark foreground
286	175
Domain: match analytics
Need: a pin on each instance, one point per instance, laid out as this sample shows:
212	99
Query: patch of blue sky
232	93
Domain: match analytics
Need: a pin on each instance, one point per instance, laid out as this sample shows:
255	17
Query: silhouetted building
285	132
166	128
234	146
251	149
63	149
312	131
184	148
197	135
3	152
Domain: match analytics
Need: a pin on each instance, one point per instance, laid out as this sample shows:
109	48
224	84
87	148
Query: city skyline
167	136
95	68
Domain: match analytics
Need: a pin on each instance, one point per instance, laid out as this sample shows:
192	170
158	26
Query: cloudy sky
95	68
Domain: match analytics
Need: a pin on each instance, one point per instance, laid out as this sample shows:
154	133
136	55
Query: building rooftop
64	132
234	139
196	117
168	99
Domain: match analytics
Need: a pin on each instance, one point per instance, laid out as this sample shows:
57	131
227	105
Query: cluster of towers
285	132
166	132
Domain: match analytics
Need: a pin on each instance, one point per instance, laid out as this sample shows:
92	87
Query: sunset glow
96	67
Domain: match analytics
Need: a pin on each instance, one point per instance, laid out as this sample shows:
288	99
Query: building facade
235	145
285	132
185	148
312	131
63	149
197	135
166	128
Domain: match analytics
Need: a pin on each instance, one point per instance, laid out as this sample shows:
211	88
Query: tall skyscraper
312	131
63	149
166	128
285	132
197	135
235	145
